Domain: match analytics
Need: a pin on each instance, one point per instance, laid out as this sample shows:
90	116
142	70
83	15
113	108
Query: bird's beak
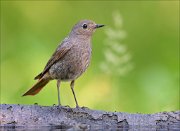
98	26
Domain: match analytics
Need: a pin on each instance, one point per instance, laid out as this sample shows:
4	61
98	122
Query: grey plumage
74	62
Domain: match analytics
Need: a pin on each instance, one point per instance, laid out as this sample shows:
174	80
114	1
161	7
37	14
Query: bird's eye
84	26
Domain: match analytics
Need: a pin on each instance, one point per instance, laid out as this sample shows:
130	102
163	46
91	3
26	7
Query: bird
70	59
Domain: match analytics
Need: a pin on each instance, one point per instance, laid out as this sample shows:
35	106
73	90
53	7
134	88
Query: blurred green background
30	32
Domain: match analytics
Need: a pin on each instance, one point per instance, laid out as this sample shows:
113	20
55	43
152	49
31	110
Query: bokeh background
135	60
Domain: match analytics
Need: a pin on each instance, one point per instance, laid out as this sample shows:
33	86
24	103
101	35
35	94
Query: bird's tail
37	87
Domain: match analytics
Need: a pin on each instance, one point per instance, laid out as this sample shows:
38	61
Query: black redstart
70	59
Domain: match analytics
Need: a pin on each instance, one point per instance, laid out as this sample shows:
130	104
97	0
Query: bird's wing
58	54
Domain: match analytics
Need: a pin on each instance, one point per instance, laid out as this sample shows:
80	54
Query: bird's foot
78	107
84	107
57	105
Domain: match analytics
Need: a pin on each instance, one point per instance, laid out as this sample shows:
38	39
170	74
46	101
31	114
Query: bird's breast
81	56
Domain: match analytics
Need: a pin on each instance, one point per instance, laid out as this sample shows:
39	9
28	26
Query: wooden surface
55	117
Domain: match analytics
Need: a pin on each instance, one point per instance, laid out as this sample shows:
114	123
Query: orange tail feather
37	87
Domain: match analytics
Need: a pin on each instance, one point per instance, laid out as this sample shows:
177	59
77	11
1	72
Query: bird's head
85	27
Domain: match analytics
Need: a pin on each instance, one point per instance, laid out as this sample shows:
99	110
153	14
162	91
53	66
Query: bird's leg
72	88
58	90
